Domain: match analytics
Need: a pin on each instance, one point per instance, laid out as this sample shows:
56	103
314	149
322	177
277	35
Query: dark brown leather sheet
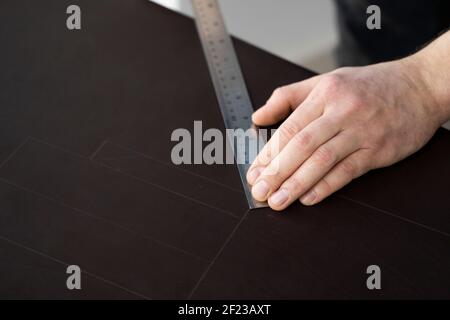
86	177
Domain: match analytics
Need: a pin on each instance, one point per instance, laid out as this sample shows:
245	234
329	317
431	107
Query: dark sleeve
406	26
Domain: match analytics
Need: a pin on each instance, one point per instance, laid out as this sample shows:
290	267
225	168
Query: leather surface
86	177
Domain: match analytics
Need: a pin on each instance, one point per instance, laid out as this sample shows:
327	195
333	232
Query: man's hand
341	125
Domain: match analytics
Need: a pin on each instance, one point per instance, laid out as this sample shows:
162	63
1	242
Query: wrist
431	84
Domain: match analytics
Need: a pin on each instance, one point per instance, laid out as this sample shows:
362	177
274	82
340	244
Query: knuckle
302	139
355	102
282	93
265	156
352	106
272	174
278	91
288	129
295	185
349	168
380	142
387	156
269	180
325	156
377	143
324	188
332	82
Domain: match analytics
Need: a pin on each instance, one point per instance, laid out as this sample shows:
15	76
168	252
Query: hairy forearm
432	64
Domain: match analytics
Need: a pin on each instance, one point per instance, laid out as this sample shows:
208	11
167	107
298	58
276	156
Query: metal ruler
229	84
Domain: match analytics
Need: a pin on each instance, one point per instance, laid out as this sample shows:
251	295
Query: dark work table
86	177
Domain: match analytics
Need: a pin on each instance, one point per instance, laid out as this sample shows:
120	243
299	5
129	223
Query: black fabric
86	177
406	26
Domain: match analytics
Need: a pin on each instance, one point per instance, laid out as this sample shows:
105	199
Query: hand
339	126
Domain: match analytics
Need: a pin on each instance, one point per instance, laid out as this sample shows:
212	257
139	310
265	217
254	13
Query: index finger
283	101
310	110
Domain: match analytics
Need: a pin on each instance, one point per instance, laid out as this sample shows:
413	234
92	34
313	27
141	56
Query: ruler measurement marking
231	91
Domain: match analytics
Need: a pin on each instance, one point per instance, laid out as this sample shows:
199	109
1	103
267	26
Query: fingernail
254	174
260	190
279	197
308	198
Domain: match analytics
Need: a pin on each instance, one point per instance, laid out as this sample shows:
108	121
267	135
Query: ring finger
313	169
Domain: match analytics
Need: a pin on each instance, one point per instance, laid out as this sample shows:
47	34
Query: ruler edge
252	203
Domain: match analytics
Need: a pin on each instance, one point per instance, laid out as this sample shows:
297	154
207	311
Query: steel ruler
232	95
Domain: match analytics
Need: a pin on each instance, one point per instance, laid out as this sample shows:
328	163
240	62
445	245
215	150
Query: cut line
117	171
98	150
216	257
167	190
107	221
12	154
118	286
393	215
176	167
77	155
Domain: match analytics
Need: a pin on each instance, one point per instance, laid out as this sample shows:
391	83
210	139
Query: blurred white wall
301	31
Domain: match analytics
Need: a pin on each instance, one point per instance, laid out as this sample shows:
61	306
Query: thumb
283	101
